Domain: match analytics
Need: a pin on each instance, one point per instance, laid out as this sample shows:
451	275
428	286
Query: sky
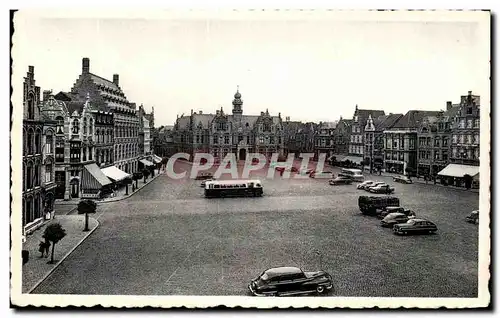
310	69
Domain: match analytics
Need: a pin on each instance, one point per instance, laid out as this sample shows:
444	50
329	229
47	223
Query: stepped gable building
108	96
222	133
357	144
401	142
342	138
83	145
38	184
374	139
291	144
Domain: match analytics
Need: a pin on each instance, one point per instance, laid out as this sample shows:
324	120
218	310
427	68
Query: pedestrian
47	247
41	248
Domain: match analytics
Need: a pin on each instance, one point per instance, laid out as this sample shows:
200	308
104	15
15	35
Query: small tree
145	173
136	176
86	206
468	181
54	232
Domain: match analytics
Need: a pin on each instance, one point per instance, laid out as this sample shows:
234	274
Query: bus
354	174
233	188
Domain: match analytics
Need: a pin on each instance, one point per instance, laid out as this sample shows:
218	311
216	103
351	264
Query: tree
136	176
145	173
86	206
54	232
468	181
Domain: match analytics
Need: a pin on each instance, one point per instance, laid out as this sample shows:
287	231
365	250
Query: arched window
48	171
36	175
97	134
29	175
25	144
31	106
91	124
76	126
49	142
85	125
30	140
60	125
38	141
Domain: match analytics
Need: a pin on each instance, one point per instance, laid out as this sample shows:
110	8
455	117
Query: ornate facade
357	143
324	139
374	139
84	143
38	184
221	133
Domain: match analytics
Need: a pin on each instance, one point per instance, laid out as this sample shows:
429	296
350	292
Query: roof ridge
105	79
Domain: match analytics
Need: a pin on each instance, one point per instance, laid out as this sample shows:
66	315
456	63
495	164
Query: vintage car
382	188
374	184
340	180
370	204
395	209
364	184
402	179
287	281
419	226
321	175
393	218
204	176
473	217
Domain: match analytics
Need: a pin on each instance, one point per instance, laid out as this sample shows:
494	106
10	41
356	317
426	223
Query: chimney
262	113
116	79
85	65
470	93
191	111
200	112
46	94
31	69
217	112
448	105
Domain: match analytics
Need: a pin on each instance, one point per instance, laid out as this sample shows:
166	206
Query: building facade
465	132
163	144
108	96
374	139
324	139
38	186
84	145
357	144
342	136
400	142
221	133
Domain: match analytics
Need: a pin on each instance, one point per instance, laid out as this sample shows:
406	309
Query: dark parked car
340	180
370	204
473	217
395	209
402	179
204	176
287	281
419	226
393	218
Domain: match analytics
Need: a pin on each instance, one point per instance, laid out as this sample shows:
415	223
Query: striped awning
156	159
115	174
93	177
147	163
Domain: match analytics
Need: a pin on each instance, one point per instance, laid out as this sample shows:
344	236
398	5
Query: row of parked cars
401	220
375	187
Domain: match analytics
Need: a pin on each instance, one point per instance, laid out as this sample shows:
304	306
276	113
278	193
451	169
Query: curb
131	194
63	258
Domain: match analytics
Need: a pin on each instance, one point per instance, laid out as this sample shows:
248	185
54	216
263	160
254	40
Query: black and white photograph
253	158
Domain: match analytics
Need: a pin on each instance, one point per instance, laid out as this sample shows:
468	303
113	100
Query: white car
365	184
375	184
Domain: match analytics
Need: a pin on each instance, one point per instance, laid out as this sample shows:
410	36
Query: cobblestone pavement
169	240
37	267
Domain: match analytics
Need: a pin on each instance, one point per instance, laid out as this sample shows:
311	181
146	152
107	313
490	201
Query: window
48	143
469	110
267	127
226	139
469	139
248	138
454	139
271	139
476	153
38	141
412	143
76	127
462	123
462	139
36	175
445	142
85	125
240	138
436	155
91	123
469	123
355	119
48	173
30	141
436	141
261	139
454	152
476	139
29	176
476	123
216	139
31	106
445	155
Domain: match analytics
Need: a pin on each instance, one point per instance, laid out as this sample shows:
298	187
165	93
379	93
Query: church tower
237	103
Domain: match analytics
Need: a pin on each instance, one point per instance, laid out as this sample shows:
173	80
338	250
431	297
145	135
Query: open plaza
168	239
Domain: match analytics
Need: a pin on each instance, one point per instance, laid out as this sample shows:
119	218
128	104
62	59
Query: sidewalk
37	269
69	207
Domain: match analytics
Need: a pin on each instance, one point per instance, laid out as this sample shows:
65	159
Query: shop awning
147	163
114	173
458	171
156	159
93	177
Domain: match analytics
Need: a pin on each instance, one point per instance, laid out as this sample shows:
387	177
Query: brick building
357	144
342	136
38	184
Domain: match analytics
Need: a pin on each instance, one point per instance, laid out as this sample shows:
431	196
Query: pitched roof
453	111
413	118
364	113
102	81
386	121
